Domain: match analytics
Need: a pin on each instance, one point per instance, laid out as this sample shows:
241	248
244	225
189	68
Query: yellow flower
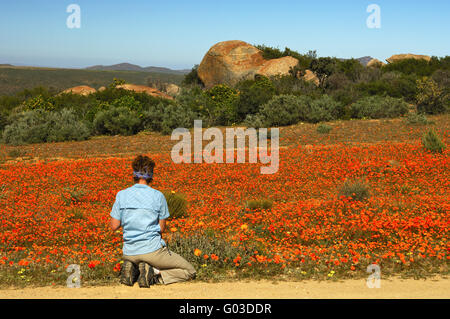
244	226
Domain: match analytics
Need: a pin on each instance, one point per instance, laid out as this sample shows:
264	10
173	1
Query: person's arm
162	225
114	224
163	214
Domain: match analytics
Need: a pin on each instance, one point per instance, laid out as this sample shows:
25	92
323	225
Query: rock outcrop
232	61
81	90
172	89
144	89
399	57
310	76
375	63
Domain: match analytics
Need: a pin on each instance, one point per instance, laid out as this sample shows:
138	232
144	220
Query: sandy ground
390	289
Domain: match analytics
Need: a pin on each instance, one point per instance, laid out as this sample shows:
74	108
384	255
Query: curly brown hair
144	165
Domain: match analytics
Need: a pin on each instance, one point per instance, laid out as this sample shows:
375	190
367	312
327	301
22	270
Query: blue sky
177	33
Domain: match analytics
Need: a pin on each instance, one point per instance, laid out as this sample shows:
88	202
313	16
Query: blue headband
143	175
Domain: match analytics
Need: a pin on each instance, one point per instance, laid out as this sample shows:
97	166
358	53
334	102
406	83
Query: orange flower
197	252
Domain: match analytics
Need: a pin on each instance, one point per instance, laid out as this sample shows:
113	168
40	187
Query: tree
192	77
323	67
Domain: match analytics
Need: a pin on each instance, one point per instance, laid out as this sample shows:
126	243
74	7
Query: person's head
143	169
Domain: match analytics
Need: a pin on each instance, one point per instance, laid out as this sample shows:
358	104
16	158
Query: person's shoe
128	273
146	275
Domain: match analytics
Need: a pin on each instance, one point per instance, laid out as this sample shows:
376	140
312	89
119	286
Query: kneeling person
142	212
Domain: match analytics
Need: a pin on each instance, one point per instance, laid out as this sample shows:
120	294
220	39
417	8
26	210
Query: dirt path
395	288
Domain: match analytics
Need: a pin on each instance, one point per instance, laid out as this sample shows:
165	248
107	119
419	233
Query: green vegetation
346	90
261	204
324	128
432	142
357	189
14	79
177	204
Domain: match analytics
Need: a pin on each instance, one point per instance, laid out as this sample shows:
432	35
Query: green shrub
176	116
432	142
72	195
324	109
177	204
377	107
411	66
417	119
192	78
66	127
357	189
288	84
38	103
39	126
324	128
282	110
253	94
430	97
262	204
117	121
392	84
224	104
152	117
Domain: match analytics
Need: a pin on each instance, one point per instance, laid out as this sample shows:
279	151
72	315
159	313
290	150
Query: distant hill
14	79
136	68
364	60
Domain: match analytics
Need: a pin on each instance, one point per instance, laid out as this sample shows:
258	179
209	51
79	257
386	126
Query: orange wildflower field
54	213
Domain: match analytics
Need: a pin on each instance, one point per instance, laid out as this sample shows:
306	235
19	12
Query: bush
38	103
430	97
411	66
224	104
177	204
324	109
432	142
357	189
393	84
417	119
324	129
176	116
282	110
262	204
377	107
117	121
192	78
252	95
152	117
39	126
66	127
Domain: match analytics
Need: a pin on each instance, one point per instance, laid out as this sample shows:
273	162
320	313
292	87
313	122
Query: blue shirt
139	209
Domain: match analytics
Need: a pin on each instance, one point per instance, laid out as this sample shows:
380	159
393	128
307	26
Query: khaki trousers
173	267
